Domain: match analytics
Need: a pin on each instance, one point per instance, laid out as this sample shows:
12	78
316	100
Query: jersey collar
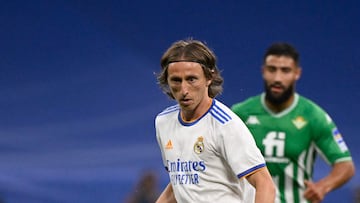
283	112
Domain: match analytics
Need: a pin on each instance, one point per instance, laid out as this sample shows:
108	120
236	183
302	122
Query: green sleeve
328	138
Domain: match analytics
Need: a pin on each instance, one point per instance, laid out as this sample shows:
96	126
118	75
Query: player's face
188	85
280	74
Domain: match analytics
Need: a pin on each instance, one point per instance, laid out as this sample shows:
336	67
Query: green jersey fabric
290	141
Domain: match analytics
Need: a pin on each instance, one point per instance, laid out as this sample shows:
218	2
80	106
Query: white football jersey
207	159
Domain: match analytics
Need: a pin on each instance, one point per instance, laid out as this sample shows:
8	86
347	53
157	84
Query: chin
186	107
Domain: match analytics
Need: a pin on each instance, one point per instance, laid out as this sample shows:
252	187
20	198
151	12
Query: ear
298	73
262	71
208	82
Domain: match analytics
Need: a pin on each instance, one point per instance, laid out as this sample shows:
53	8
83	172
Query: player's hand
314	192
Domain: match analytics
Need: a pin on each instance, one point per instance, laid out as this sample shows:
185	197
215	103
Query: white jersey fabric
207	158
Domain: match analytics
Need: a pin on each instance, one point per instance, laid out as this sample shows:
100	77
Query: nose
184	88
277	76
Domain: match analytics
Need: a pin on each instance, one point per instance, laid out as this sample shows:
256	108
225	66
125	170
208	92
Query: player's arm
340	173
264	185
167	196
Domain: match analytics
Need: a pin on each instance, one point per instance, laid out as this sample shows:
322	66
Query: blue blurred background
79	95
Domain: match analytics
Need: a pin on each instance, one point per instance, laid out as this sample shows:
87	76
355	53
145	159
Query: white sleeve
239	148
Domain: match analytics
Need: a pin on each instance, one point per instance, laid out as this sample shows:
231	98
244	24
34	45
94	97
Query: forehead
279	61
184	67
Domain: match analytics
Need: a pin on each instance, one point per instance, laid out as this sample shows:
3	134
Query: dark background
79	95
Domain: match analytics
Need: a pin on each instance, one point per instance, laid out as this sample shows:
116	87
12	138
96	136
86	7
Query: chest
188	143
286	136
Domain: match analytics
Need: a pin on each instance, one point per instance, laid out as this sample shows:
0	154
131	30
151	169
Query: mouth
276	89
185	102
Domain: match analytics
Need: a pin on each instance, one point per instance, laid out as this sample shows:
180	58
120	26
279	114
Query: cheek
266	77
291	79
174	88
199	85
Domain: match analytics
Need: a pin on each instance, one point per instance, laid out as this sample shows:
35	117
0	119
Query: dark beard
280	99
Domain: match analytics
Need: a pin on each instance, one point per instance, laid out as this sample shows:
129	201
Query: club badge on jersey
199	145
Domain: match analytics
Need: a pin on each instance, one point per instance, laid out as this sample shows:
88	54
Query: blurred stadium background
79	95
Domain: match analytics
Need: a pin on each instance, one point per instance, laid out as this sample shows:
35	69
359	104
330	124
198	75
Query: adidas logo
169	145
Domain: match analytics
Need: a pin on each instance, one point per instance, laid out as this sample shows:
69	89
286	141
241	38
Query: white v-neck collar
283	112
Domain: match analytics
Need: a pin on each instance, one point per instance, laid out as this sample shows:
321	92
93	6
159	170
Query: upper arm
343	171
259	177
167	196
263	184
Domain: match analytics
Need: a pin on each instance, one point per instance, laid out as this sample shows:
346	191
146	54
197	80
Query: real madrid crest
199	145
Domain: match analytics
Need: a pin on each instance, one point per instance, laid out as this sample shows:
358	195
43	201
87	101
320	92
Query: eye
175	80
286	70
191	79
271	68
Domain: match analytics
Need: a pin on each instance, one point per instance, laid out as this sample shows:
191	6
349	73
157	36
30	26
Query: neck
201	109
276	108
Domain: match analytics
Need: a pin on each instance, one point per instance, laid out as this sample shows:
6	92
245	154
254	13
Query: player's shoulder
169	111
309	107
222	113
309	104
249	102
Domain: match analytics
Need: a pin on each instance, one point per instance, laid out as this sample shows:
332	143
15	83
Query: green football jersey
290	141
